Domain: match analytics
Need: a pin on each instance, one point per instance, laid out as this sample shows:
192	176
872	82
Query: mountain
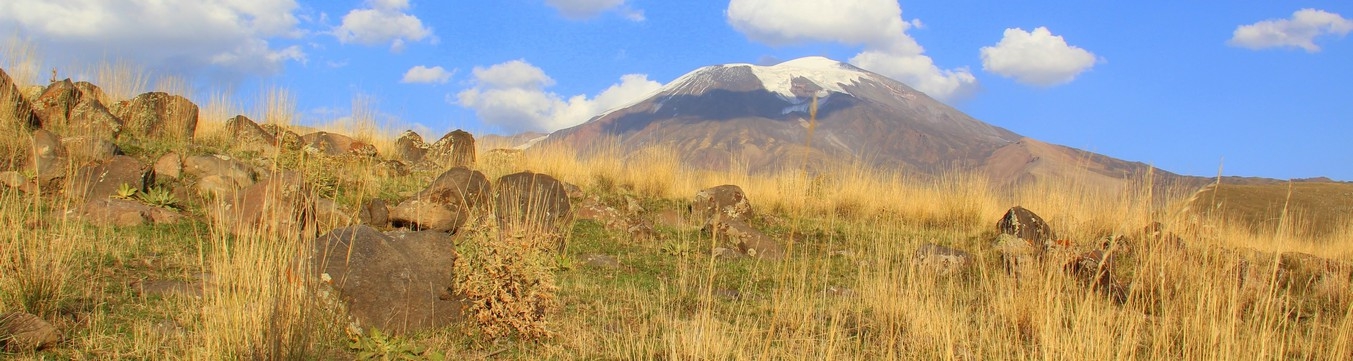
758	117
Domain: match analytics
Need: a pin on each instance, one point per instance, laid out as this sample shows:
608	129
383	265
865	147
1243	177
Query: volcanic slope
743	115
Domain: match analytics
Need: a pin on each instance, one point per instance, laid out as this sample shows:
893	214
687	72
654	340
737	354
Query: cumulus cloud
1036	58
513	95
876	25
176	34
587	9
426	75
1299	31
384	22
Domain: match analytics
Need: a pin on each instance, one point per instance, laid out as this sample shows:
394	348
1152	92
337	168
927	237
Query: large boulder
410	148
397	282
712	205
104	179
286	138
158	114
748	240
534	205
169	165
48	159
89	148
16	112
24	332
333	145
453	149
76	110
1026	225
246	135
283	205
446	203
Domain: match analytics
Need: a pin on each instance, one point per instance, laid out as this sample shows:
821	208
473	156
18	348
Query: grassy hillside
1230	287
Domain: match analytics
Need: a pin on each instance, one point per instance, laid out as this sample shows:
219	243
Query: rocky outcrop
48	160
89	148
334	145
71	110
24	332
158	115
169	165
16	112
398	282
446	203
534	205
286	138
227	169
748	240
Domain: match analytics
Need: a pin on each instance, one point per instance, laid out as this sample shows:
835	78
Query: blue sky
1265	87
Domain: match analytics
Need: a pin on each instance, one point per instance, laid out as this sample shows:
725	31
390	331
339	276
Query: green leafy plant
125	191
379	346
160	197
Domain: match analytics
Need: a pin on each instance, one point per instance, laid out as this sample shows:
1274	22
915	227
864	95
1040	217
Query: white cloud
1036	58
512	95
175	34
426	75
876	25
587	9
384	22
1299	31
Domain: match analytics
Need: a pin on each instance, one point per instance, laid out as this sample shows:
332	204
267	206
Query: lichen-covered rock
456	148
204	166
410	148
16	112
104	179
281	206
158	115
722	202
1026	225
88	148
941	260
334	145
75	110
126	213
446	203
169	165
246	135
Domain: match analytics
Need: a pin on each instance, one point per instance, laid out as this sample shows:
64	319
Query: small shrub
160	197
378	346
508	285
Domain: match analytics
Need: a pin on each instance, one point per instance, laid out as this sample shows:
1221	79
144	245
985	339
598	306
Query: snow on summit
829	74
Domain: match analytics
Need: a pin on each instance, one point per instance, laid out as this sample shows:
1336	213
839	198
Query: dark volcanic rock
158	114
398	282
282	206
721	202
332	144
246	135
1026	225
941	260
534	205
24	332
102	180
446	203
410	148
126	213
454	149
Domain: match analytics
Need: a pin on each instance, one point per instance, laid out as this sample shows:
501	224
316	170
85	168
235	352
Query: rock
203	166
12	179
375	213
1026	225
49	158
446	203
410	148
1017	254
24	332
330	215
391	169
1094	269
534	205
218	187
247	136
334	145
941	260
454	149
722	202
158	114
126	213
103	180
90	91
286	138
600	261
87	148
574	192
169	165
750	241
399	282
279	206
15	110
67	109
